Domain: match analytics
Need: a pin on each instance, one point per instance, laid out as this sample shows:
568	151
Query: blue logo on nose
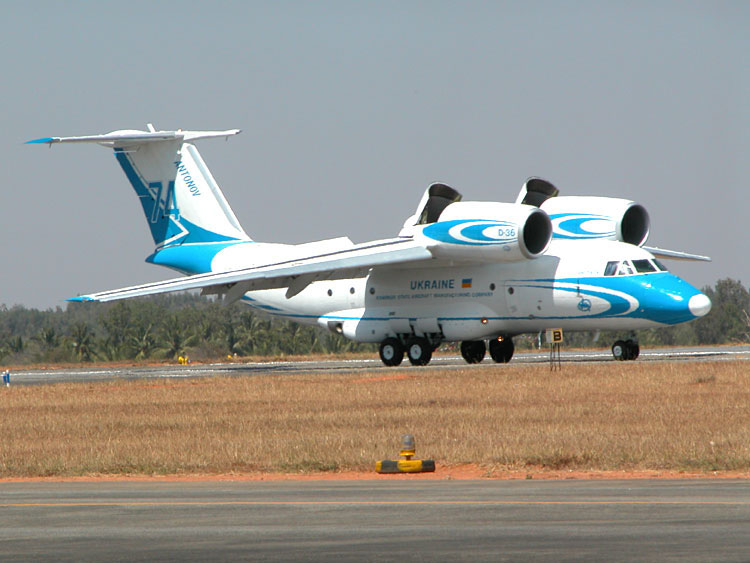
584	305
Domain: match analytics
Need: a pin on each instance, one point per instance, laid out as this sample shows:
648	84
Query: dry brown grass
613	416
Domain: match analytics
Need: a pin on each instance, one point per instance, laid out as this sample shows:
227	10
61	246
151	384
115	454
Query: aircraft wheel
419	351
634	350
391	352
620	351
501	349
473	351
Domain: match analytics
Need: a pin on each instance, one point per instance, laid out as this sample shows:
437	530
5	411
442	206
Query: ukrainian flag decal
465	283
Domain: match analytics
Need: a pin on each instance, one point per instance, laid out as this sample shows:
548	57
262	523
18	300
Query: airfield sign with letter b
555	338
554	335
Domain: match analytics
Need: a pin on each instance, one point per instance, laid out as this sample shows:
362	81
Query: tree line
166	327
159	328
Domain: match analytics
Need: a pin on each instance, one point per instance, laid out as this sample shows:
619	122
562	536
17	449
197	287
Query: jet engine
499	232
577	218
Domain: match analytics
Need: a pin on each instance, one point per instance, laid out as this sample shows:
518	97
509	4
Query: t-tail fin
182	203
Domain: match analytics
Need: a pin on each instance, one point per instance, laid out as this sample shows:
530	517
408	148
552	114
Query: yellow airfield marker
407	465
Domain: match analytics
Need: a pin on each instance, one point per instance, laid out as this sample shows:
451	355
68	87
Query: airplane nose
671	300
699	305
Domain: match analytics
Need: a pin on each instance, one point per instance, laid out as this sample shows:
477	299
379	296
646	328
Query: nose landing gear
625	350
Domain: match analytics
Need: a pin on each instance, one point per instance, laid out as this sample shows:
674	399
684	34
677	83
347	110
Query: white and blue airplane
475	272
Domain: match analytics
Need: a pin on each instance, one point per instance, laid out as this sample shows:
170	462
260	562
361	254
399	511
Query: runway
42	376
412	520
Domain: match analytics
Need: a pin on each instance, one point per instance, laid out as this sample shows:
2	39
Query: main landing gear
626	350
501	349
419	350
391	352
473	351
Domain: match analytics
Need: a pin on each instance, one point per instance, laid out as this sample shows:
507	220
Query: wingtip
81	299
42	141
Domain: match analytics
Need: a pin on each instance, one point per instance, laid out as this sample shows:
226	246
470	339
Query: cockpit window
628	268
644	266
625	269
611	269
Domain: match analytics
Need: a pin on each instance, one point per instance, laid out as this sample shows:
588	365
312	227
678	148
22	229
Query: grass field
681	416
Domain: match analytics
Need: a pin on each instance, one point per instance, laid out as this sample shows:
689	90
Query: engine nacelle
592	217
503	232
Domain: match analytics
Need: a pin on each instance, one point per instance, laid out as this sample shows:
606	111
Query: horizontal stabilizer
123	138
675	255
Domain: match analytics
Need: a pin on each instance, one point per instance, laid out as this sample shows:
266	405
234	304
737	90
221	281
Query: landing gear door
425	326
400	326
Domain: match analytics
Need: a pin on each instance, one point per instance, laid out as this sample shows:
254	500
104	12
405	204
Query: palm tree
83	341
47	338
118	322
175	337
141	342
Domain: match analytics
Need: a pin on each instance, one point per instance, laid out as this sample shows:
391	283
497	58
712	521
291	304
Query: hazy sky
350	109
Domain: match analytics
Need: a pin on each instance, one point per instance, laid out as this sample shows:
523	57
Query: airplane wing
675	255
295	274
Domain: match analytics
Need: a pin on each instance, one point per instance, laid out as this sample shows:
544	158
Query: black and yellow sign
554	335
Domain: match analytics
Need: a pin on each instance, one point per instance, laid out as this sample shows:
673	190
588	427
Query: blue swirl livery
576	226
472	232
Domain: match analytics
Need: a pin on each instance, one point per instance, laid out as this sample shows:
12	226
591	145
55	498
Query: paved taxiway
38	376
404	520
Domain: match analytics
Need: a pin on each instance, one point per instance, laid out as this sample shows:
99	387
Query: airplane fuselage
565	288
